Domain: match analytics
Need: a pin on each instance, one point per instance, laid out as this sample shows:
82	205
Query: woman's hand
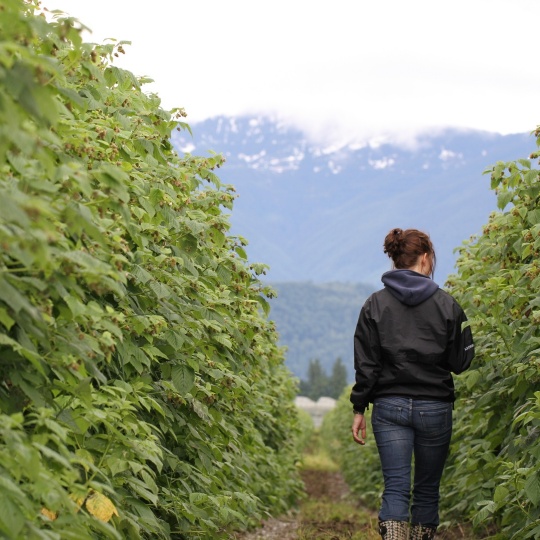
359	425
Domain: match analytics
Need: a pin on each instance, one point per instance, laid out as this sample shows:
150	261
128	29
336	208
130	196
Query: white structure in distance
316	409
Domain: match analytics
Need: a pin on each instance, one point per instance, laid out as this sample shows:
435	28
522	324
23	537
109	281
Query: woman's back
409	339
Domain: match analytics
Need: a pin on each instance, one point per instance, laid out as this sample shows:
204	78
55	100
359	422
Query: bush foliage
142	391
492	476
494	471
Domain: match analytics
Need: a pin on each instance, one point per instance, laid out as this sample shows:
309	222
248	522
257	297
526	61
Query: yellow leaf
49	514
77	500
101	507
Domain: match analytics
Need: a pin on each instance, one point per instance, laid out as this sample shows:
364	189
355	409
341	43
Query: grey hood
408	286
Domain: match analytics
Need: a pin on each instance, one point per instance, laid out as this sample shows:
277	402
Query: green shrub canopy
142	392
494	472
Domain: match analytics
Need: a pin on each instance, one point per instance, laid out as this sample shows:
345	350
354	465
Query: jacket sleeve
367	361
461	346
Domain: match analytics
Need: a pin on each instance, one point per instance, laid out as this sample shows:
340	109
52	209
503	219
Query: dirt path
274	529
325	513
328	512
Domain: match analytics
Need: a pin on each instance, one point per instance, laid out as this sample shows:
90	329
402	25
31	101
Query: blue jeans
404	427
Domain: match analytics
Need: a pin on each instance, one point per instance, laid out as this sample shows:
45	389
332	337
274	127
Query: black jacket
409	341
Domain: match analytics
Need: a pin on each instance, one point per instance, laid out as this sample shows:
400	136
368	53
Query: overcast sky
339	69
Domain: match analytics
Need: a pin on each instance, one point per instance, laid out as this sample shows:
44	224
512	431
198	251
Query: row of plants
142	390
494	471
492	476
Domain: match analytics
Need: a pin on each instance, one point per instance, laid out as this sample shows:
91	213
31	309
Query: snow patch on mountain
319	211
447	155
278	165
382	163
334	168
251	158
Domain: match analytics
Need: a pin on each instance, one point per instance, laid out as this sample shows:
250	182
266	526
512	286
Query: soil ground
325	513
329	513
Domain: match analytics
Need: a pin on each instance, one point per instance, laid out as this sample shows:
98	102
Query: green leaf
525	162
11	517
175	338
80	220
501	493
5	319
532	488
183	378
471	378
241	252
76	307
15	299
139	487
224	340
504	198
140	274
486	510
71	95
11	211
533	216
264	304
160	289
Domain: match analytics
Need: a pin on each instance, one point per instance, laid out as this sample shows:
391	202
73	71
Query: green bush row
306	429
142	391
492	476
494	471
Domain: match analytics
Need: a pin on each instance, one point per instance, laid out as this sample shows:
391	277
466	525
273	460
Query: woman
408	341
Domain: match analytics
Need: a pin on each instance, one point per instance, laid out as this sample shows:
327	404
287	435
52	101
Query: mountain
320	213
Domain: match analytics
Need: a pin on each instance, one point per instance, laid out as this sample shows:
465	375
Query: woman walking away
408	341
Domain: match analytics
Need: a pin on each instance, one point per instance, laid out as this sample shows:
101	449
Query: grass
319	462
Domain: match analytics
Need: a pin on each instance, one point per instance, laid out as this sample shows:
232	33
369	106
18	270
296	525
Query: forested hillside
142	393
317	321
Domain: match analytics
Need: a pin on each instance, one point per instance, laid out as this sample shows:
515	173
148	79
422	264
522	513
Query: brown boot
422	532
394	530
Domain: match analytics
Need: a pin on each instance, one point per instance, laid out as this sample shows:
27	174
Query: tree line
320	384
